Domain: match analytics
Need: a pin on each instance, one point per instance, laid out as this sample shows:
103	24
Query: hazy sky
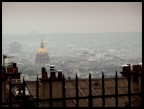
71	17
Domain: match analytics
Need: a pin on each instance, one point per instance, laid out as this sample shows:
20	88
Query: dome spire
42	43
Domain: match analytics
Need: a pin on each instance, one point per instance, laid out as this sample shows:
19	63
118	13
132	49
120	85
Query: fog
71	17
80	53
82	38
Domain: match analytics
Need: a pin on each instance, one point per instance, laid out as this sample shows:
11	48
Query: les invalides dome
42	57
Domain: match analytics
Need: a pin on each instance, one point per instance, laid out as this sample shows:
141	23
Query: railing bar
71	98
37	92
120	90
10	93
77	99
96	94
29	89
81	92
23	92
50	92
63	85
103	90
70	95
90	92
110	94
116	89
129	89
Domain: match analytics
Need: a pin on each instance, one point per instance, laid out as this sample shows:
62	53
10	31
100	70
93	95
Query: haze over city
71	54
82	38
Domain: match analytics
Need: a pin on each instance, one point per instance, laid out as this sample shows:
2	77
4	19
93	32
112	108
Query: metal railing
37	100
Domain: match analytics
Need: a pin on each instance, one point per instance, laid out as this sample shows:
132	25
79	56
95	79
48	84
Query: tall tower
42	57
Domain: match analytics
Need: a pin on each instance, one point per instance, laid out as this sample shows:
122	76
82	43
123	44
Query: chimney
44	73
54	84
12	71
126	68
15	68
3	73
59	74
52	71
14	64
137	68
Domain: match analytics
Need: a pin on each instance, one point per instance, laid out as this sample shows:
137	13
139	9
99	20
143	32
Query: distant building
42	57
15	48
84	56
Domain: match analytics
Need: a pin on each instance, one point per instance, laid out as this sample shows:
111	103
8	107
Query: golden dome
42	50
42	57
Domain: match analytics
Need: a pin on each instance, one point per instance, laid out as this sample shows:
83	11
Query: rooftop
83	90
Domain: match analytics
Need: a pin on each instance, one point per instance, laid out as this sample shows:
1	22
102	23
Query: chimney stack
44	73
14	64
3	73
52	71
15	68
59	74
51	84
137	68
12	71
126	68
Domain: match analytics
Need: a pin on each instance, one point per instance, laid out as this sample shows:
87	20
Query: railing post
129	89
116	89
63	85
77	100
37	92
10	93
50	85
103	90
90	92
23	92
